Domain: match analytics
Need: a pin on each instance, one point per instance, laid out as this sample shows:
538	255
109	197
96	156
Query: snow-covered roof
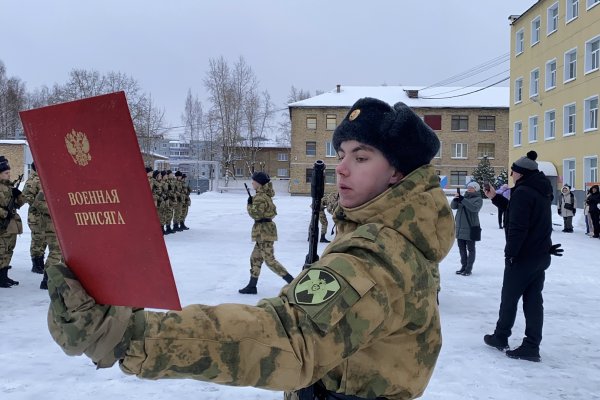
16	141
547	168
264	143
435	97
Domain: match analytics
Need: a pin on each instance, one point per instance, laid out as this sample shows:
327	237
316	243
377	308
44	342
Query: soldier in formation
360	323
47	228
187	202
331	201
10	221
264	232
38	246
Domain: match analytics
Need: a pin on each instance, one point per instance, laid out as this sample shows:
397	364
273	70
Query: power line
473	71
472	85
465	94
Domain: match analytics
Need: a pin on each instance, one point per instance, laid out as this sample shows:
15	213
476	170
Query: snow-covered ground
210	263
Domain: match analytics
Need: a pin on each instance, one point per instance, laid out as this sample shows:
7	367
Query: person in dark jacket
528	227
467	216
593	201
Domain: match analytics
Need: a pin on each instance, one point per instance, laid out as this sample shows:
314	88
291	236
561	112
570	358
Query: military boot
250	288
525	352
168	229
5	281
288	278
323	239
176	227
38	265
183	226
44	282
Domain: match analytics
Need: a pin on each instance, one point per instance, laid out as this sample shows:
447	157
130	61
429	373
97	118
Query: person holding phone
467	216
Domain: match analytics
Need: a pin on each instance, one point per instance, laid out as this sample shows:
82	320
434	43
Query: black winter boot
176	227
168	229
183	226
525	352
44	282
250	288
38	265
288	278
460	271
323	239
5	281
495	341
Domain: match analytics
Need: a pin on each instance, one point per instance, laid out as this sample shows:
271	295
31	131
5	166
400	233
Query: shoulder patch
316	287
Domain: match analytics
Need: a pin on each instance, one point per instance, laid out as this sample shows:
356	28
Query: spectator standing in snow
467	217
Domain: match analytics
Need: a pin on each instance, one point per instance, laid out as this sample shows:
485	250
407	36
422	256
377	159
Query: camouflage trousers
177	212
38	245
324	223
184	211
55	255
264	252
8	241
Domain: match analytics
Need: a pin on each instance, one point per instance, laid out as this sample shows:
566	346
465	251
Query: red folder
92	173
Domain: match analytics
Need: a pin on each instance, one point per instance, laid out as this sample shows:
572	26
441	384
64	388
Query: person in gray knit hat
528	229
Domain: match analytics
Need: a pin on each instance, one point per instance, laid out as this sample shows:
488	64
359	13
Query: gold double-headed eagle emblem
78	147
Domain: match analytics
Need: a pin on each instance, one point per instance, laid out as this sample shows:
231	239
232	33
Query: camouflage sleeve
283	343
30	190
259	207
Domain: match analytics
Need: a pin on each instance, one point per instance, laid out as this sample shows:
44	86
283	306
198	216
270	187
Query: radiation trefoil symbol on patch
316	287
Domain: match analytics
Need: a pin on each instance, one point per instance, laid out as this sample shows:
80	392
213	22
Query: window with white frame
519	40
569	172
330	122
458	178
569	119
592	54
552	24
283	173
590	116
551	74
533	128
439	152
486	150
570	71
518	133
311	122
535	30
590	169
459	150
592	3
518	90
534	82
550	124
282	156
572	9
330	150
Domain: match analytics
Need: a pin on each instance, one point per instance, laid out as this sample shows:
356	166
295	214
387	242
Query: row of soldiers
171	194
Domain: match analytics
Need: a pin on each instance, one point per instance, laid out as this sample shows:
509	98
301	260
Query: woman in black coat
593	201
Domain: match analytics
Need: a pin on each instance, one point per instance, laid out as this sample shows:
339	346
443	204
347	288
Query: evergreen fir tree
502	178
484	172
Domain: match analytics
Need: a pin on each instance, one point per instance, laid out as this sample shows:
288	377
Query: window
331	122
460	122
534	83
238	171
569	119
330	176
283	173
518	133
330	150
592	54
486	150
533	128
519	38
569	172
535	30
518	90
551	74
282	156
439	152
592	3
459	150
458	178
309	175
311	122
590	116
590	170
311	149
550	125
486	123
570	65
552	25
572	9
434	121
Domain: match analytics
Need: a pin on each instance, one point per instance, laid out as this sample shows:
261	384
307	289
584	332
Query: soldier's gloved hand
249	200
555	250
80	326
16	192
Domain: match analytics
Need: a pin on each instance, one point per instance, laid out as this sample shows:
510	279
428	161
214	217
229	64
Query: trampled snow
211	262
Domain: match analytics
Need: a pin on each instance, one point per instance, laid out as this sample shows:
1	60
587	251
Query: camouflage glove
80	326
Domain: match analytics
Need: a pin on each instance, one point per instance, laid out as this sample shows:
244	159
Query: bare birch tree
285	127
13	98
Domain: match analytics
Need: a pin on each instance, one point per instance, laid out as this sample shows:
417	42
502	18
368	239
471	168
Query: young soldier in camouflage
187	202
37	249
10	221
264	231
362	322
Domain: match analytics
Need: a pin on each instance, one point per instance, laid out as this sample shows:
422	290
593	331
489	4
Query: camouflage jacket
363	319
331	202
14	225
262	208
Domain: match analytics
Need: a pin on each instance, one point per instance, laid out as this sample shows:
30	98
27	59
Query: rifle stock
247	190
317	189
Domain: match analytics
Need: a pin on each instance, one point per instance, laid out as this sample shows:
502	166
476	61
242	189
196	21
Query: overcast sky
311	44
